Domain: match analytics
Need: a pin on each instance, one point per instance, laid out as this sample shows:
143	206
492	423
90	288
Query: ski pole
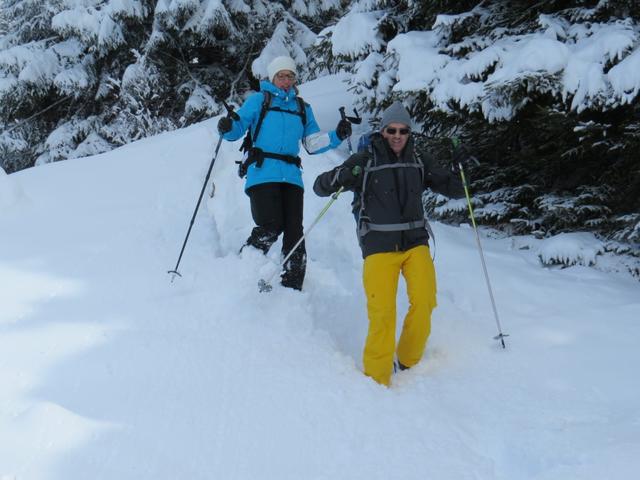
265	285
354	120
234	116
500	335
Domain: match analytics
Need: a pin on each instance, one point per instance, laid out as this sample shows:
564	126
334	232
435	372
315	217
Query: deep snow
110	371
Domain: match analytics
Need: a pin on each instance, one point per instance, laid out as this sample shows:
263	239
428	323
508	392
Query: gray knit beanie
395	113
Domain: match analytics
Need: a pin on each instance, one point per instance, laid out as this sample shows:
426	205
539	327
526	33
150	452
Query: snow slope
110	371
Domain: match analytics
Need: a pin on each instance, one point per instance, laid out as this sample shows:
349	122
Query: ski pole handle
357	120
460	154
230	111
344	117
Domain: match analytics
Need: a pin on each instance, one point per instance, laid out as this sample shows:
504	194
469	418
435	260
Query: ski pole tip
173	274
264	286
500	337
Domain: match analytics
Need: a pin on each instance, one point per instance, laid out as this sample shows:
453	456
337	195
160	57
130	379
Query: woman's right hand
224	125
343	130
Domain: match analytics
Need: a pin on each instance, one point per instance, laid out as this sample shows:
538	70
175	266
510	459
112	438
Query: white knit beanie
395	113
280	63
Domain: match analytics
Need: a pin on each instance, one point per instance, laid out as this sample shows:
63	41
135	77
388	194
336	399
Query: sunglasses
403	131
286	76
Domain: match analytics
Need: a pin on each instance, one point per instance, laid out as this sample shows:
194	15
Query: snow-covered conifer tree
81	77
545	94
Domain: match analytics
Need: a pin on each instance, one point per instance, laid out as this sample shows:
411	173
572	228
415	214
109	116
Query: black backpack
257	155
358	206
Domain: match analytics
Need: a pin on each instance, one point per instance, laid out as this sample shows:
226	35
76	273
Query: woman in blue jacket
274	179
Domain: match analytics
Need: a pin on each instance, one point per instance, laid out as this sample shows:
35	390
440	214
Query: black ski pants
277	208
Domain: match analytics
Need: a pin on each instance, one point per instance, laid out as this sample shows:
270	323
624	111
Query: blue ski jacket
280	133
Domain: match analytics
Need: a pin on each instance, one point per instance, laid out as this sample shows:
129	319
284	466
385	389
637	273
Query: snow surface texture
110	371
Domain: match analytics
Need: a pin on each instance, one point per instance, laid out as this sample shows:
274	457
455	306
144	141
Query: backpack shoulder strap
266	106
302	107
418	158
266	103
361	215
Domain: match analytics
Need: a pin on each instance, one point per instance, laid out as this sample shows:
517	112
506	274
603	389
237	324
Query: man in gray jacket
389	180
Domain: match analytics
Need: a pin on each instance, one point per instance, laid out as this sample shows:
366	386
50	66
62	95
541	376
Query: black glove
347	177
460	154
224	125
343	130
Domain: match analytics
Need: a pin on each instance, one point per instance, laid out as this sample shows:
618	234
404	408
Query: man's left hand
460	154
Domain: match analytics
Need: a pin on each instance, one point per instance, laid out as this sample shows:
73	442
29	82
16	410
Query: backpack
256	155
364	142
364	145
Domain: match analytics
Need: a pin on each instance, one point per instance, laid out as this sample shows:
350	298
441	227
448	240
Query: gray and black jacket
388	200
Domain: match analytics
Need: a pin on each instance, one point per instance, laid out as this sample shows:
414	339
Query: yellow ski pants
380	277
